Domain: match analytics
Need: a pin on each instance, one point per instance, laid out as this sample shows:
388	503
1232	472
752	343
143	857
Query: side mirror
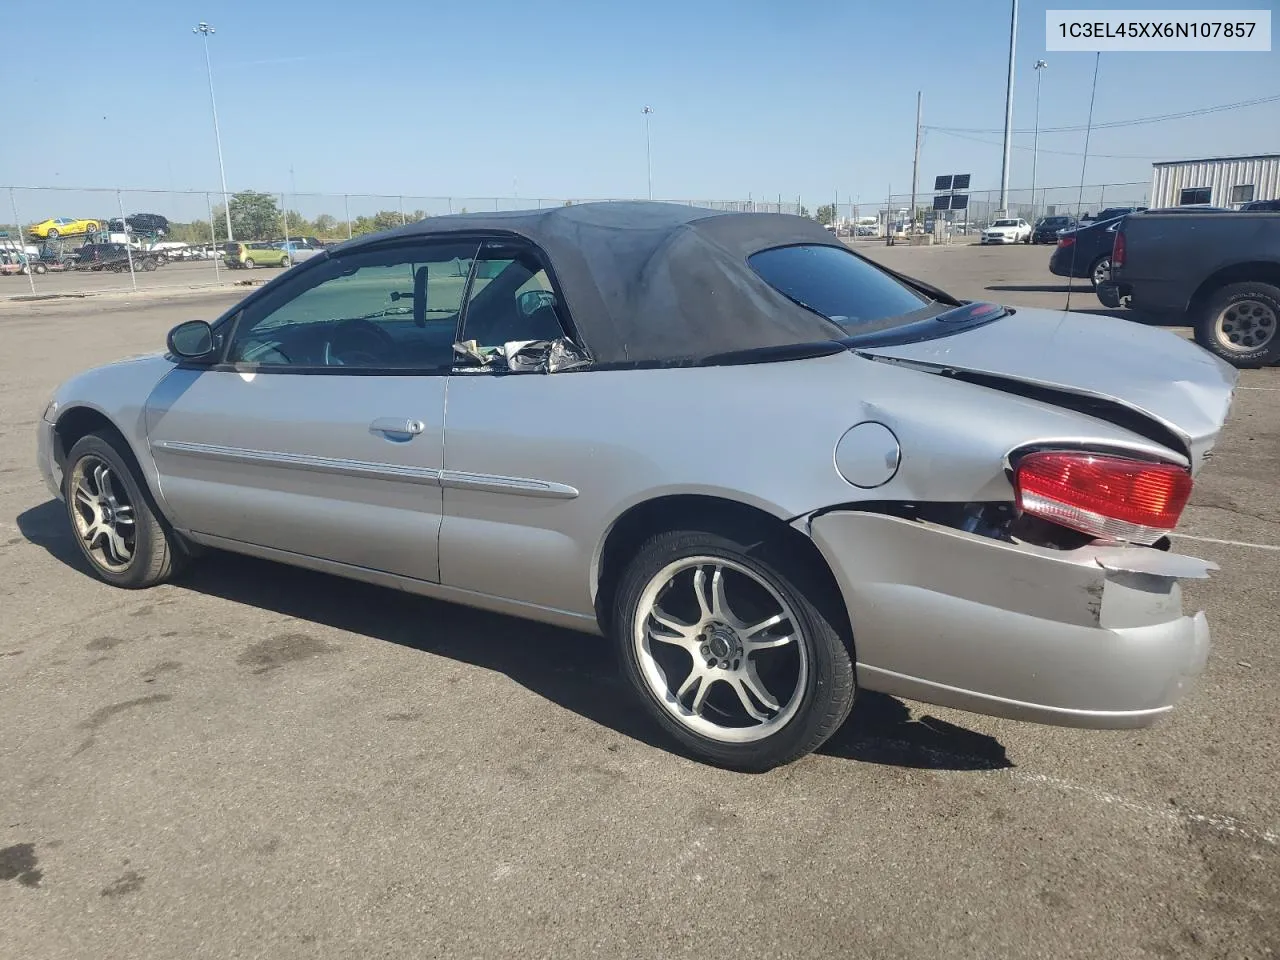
192	340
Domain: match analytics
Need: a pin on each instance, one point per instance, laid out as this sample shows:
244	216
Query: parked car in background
1047	228
63	227
1261	206
259	253
1085	252
1221	270
301	248
899	490
1009	230
1110	213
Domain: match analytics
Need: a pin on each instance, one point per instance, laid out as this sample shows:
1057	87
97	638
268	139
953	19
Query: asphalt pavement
266	762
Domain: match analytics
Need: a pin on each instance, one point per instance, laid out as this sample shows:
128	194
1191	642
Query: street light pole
648	154
204	30
1035	145
1008	114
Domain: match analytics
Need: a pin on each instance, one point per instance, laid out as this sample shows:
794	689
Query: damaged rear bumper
1093	637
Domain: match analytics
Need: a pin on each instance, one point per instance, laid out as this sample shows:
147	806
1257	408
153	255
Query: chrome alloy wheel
103	515
720	670
1245	325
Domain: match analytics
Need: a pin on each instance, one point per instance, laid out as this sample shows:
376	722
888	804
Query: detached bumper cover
1094	637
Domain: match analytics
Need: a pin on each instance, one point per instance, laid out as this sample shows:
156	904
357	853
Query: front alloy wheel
102	514
117	525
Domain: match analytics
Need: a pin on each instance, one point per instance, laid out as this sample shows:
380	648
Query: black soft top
649	282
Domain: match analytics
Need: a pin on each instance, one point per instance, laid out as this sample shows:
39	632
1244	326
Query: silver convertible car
769	470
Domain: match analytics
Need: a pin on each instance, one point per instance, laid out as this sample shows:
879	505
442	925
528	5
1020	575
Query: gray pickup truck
1219	270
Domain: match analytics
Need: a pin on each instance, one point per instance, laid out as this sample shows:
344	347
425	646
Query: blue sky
500	98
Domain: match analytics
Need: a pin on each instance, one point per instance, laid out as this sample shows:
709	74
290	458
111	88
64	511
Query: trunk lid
1105	367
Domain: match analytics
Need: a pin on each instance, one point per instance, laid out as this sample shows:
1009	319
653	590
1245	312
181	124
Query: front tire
248	263
1241	324
116	524
728	645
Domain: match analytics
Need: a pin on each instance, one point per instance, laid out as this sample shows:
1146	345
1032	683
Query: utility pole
648	154
203	29
915	165
1008	113
1035	146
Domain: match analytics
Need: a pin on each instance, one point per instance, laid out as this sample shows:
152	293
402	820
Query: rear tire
1239	323
670	622
286	262
1100	271
116	523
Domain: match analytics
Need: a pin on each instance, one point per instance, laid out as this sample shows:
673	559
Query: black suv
142	223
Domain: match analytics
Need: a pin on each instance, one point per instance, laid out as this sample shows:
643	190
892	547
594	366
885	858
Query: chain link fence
159	238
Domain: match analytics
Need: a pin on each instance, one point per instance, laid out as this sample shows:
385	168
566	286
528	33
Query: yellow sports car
62	227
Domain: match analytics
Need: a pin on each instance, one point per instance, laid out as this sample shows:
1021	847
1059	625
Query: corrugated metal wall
1170	179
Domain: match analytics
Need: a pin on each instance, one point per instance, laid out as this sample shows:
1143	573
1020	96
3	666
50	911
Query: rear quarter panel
763	435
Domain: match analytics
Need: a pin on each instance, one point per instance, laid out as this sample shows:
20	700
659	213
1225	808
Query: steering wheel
368	344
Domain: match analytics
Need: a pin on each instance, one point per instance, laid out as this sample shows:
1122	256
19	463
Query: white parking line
1151	811
1144	809
1229	543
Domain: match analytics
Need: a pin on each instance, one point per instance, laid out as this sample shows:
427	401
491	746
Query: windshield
1005	223
839	285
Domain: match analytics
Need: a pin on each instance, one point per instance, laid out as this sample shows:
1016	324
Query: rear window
837	284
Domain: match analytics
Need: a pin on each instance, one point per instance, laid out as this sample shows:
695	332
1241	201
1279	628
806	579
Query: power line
1064	153
1113	124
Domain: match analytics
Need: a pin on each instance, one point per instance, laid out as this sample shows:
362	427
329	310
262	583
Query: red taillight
1117	250
1110	497
1066	241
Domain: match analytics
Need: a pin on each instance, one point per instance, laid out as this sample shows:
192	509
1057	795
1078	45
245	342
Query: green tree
326	225
826	214
254	216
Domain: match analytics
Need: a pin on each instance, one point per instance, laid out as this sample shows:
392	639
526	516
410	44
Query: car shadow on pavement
1083	286
578	671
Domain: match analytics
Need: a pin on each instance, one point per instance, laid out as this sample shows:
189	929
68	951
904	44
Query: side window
512	298
390	309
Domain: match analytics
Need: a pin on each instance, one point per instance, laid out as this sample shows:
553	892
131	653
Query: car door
516	486
319	431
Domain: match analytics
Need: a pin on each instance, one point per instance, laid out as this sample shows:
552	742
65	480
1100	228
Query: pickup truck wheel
729	646
1241	324
1100	271
39	268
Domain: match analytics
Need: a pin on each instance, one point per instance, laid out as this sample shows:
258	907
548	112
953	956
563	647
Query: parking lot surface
265	762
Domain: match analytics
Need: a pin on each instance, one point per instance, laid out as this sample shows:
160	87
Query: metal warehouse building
1221	181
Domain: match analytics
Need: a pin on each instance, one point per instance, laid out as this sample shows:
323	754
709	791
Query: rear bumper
1011	630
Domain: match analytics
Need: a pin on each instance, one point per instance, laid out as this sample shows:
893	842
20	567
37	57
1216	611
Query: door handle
399	425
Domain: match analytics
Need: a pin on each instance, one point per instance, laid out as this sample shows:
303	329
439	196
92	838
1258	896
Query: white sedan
1007	231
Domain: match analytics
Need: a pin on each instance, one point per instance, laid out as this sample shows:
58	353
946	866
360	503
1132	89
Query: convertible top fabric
655	283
